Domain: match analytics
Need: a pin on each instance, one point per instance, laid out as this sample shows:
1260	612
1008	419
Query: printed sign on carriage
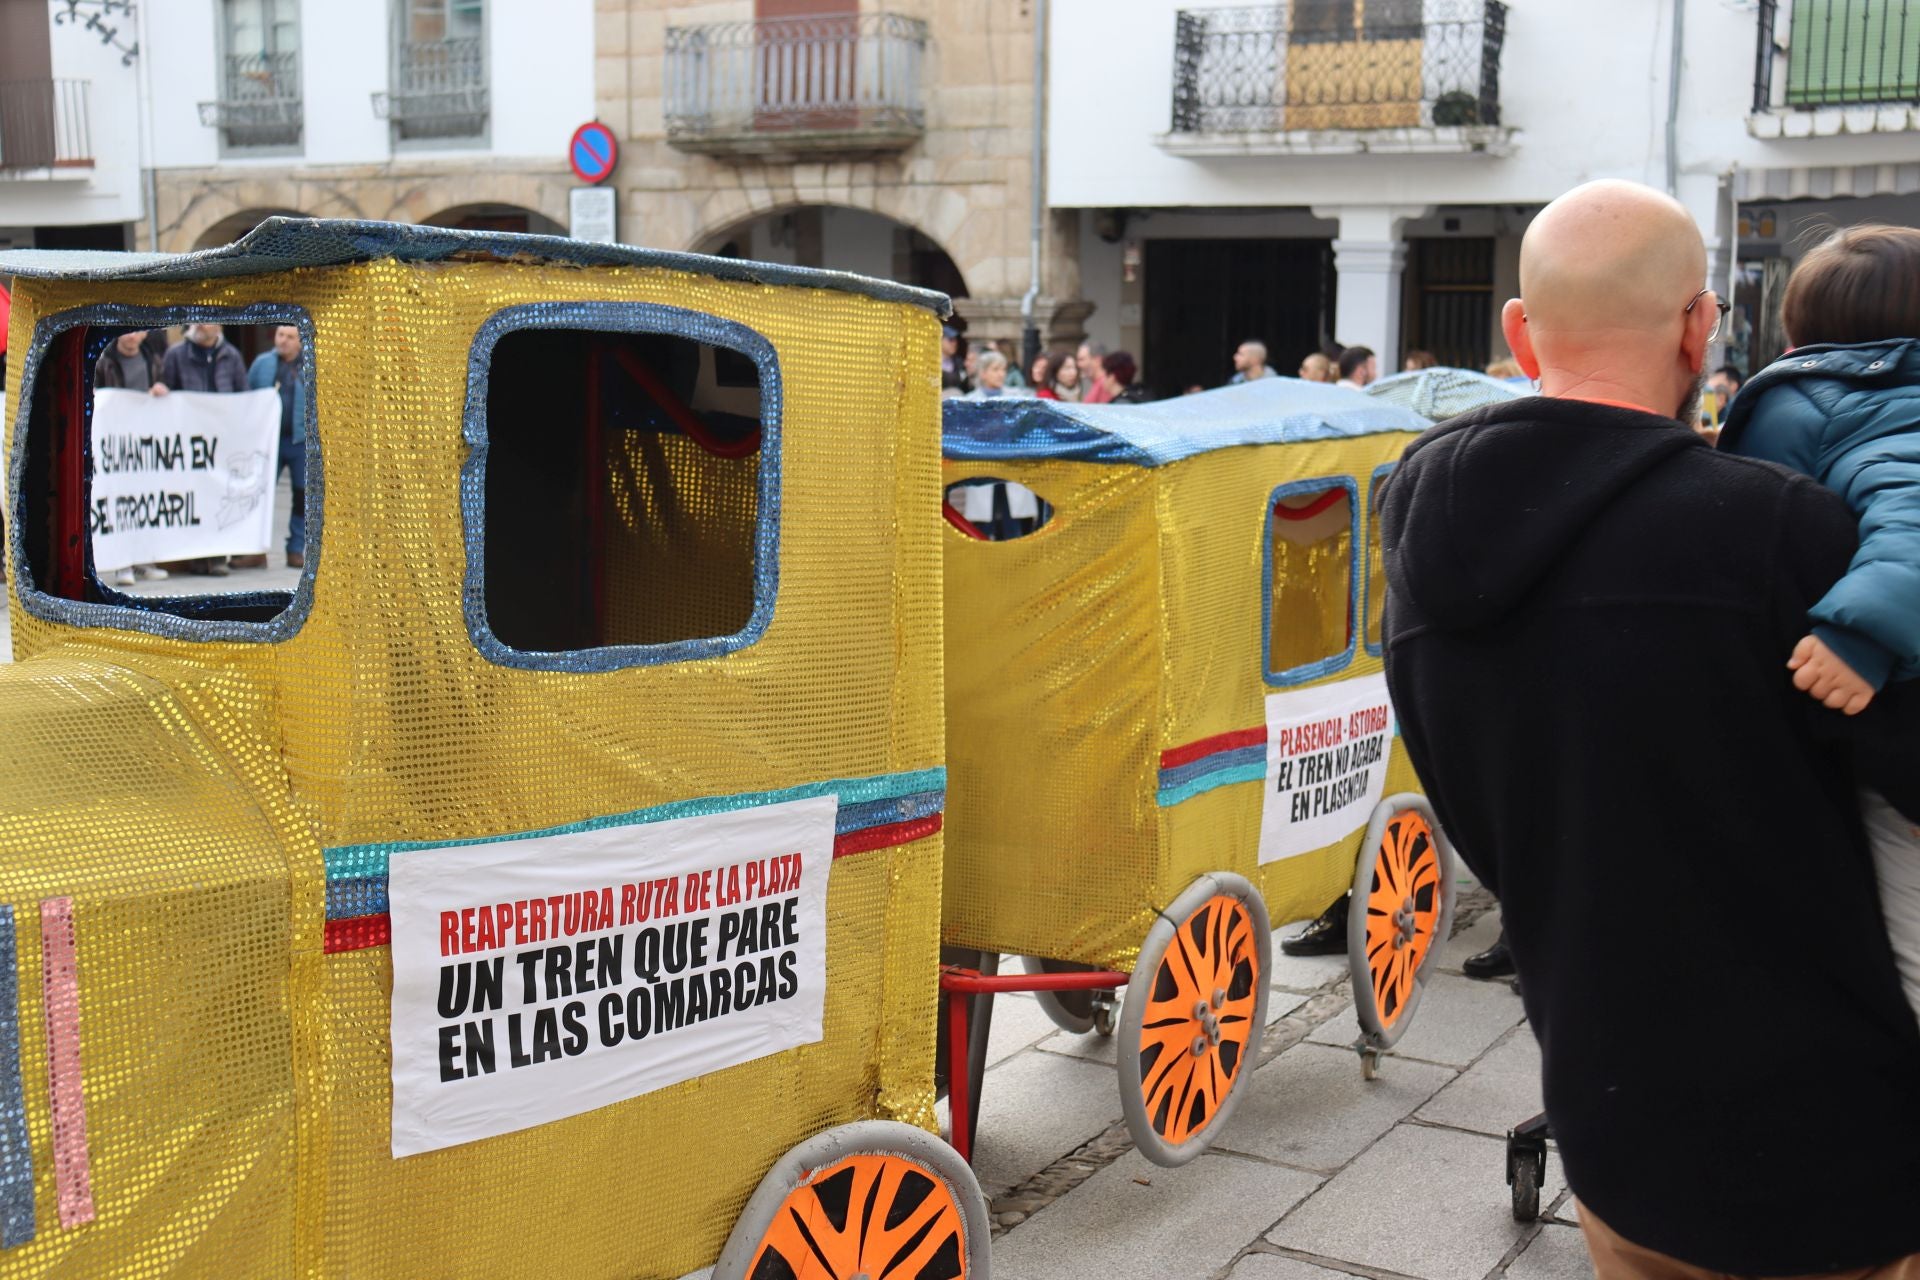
1327	750
538	978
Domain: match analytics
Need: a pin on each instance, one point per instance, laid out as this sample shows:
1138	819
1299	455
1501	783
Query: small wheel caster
1369	1064
1529	1173
1104	1007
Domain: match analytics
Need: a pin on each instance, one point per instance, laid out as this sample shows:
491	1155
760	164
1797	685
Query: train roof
279	244
1441	392
1270	411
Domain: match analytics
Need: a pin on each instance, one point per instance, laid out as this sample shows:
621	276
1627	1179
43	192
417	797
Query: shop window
991	510
625	477
1376	566
118	481
1311	579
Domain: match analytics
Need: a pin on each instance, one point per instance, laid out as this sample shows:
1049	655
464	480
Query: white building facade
454	112
1359	172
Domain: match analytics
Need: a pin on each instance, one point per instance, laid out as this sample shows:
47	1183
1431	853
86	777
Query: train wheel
1071	1011
870	1199
1402	909
1191	1023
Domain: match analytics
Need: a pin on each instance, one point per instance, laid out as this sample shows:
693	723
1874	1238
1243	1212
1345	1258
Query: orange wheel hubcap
1403	909
866	1217
1193	1033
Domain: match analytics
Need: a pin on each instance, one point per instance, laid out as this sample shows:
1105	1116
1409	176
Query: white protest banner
1327	753
182	476
536	979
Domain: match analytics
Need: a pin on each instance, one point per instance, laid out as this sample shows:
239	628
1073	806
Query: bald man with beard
1589	614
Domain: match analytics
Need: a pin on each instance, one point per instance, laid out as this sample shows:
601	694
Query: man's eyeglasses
1719	321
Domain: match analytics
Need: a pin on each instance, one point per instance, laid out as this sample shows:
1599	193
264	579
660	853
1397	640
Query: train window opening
1376	567
623	489
155	456
1310	579
991	510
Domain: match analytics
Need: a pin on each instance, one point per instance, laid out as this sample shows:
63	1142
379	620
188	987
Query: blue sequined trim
908	792
1180	775
620	317
1373	522
16	1154
176	617
1170	796
1333	662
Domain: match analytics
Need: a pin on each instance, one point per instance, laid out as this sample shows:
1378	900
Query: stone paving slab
1557	1253
1018	1021
1136	1221
1457	1020
1497	1092
1304	973
1036	1108
1100	1048
1472	940
1274	1266
1422	1202
1310	1107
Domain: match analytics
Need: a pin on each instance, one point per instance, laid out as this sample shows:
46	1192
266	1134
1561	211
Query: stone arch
781	233
494	216
193	204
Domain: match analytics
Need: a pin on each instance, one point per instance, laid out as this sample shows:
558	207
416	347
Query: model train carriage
1167	722
563	850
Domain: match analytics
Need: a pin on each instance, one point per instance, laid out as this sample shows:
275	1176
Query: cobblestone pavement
1320	1174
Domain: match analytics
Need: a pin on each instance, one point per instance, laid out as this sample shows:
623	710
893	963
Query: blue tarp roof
1270	411
279	244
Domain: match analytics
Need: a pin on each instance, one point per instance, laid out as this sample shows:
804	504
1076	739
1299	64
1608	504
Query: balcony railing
44	125
849	83
1838	53
439	89
259	103
1338	65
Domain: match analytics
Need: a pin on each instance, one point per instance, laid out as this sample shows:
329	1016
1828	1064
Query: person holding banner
131	365
206	361
280	369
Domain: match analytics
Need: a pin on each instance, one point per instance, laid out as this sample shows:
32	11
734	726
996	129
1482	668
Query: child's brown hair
1860	284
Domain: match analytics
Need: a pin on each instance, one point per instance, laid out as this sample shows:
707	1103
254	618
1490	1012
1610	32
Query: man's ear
1693	339
1513	323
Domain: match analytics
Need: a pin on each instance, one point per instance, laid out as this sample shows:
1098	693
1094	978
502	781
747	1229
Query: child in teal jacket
1843	406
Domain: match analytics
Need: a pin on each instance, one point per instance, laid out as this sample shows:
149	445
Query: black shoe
1495	962
1326	936
1515	984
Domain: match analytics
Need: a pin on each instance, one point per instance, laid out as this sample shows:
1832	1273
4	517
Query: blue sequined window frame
1380	473
1319	667
634	318
175	617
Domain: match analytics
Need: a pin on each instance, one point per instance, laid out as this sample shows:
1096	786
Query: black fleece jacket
1589	612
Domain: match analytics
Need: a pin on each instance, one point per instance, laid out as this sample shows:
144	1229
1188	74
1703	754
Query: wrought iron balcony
259	104
44	125
1427	70
842	84
439	90
1837	53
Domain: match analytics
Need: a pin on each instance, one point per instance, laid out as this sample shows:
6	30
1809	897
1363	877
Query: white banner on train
1327	750
538	978
182	476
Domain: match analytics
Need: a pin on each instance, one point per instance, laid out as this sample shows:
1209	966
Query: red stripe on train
1174	757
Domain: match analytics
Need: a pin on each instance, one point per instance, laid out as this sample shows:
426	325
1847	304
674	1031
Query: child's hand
1819	671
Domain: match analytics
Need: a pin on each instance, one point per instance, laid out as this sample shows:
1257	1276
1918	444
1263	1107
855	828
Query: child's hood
1835	391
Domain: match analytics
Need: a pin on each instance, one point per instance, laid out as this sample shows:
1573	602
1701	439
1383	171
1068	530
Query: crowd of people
205	361
1091	374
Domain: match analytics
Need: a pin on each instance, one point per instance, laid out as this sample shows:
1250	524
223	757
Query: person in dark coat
1588	617
127	364
206	361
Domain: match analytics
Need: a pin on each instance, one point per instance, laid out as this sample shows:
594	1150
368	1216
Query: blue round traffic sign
593	152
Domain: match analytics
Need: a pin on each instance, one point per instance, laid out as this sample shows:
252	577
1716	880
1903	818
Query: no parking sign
593	152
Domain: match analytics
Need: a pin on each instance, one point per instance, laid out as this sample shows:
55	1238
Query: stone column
1369	257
